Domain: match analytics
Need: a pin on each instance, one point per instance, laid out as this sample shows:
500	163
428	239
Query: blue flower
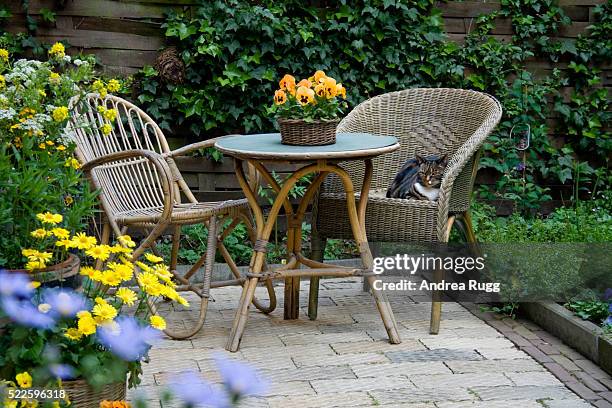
610	308
521	166
127	339
194	391
608	294
608	321
15	284
239	379
62	371
66	303
26	314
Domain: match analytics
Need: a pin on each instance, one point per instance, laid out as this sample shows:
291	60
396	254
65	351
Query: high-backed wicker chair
141	186
426	121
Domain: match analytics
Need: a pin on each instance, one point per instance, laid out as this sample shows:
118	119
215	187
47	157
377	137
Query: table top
268	146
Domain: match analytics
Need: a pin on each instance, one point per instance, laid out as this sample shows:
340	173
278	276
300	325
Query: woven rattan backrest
426	121
127	185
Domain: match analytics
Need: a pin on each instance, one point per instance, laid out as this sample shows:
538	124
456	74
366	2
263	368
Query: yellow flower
340	90
4	55
153	258
287	83
60	114
123	272
157	322
35	284
181	300
102	92
113	85
106	129
68	200
72	162
110	278
305	82
118	249
305	95
86	323
147	280
39	233
24	379
126	240
60	233
66	243
42	93
319	75
88	271
104	311
28	252
110	114
61	148
127	296
33	265
330	88
320	90
2	82
97	85
54	78
144	266
82	241
100	252
49	218
73	334
57	50
280	97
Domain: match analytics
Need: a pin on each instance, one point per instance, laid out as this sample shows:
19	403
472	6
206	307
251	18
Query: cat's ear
443	160
419	159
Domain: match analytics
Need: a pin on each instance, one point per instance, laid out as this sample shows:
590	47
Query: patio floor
343	359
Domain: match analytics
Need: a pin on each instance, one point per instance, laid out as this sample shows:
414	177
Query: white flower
7	113
67	58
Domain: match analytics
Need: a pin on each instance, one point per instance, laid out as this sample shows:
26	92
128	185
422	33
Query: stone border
584	336
576	371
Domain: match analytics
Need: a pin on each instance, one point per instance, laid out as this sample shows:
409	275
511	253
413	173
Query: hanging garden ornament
520	134
170	66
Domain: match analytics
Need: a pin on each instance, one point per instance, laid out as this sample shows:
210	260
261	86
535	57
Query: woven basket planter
297	132
81	394
64	274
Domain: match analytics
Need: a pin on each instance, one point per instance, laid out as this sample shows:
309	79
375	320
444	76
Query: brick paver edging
573	369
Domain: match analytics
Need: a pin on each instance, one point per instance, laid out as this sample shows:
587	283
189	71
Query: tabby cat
419	178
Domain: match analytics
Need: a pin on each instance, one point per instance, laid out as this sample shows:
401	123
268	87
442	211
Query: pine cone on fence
170	66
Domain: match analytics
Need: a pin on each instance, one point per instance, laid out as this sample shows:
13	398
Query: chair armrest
194	146
155	159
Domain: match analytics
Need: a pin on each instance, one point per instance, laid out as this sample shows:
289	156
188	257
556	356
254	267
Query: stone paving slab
343	359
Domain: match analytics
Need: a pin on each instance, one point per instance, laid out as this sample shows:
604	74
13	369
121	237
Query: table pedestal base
291	271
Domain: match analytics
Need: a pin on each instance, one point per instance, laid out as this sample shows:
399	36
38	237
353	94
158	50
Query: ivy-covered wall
548	62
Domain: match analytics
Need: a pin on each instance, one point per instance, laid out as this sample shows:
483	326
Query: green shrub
236	50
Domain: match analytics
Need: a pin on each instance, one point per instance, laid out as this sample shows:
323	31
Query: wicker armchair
426	121
140	186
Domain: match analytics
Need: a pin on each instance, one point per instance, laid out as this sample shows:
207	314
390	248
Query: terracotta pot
65	274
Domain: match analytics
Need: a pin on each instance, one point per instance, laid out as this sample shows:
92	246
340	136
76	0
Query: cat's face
431	170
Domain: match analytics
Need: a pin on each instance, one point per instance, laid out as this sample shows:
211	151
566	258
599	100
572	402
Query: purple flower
521	166
239	379
610	308
62	371
608	294
127	339
608	321
194	391
26	314
15	284
63	302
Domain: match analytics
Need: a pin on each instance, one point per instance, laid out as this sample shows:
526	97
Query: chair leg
436	304
469	228
317	248
242	314
204	294
176	241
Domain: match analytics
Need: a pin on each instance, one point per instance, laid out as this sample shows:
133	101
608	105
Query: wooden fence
127	34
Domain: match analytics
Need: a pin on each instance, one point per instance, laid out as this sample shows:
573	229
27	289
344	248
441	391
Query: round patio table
259	150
